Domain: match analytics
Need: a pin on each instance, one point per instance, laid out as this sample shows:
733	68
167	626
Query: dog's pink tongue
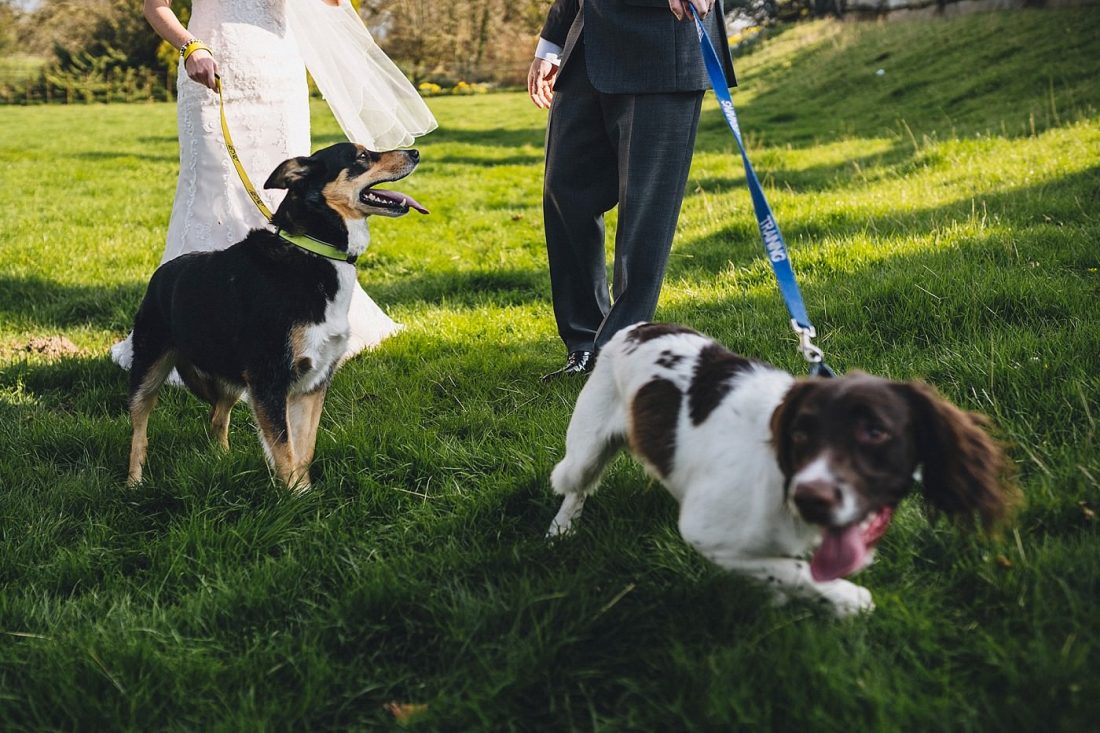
399	196
842	551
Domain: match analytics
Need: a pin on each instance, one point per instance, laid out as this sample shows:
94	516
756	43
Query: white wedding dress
267	106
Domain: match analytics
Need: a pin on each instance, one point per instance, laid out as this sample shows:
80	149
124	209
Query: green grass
943	219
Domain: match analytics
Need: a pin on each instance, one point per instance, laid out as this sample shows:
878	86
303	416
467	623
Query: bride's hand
333	3
201	67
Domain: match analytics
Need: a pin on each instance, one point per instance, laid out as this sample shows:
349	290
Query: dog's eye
871	434
799	437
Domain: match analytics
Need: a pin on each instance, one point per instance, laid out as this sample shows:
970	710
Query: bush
464	88
87	82
432	89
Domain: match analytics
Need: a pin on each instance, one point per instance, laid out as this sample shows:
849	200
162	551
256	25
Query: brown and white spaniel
789	481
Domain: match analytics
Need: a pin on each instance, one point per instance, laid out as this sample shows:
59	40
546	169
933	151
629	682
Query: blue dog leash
774	246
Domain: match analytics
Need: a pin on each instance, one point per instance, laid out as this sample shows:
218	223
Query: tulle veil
375	104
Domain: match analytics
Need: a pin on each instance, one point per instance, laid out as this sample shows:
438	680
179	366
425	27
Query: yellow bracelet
191	46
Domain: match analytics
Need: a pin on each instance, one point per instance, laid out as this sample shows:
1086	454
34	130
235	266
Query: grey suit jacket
636	46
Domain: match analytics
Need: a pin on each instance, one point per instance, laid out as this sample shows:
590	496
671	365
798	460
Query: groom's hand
680	10
540	82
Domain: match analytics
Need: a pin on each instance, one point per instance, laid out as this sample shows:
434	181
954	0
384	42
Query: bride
261	49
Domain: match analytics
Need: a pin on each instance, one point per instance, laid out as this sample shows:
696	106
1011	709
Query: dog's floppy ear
964	471
290	172
781	421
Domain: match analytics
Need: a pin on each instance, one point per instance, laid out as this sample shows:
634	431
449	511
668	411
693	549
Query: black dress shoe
578	362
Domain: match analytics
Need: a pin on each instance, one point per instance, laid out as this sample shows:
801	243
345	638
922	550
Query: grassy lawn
944	220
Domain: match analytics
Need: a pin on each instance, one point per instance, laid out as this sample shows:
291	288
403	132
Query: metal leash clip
811	352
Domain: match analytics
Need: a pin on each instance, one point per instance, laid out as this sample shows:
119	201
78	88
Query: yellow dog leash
306	242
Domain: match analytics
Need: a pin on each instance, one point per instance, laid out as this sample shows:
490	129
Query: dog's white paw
570	511
848	599
558	530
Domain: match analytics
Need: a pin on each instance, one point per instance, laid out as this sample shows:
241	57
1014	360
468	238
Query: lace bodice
269	15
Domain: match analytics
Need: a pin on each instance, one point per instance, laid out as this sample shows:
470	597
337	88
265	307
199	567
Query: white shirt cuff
548	52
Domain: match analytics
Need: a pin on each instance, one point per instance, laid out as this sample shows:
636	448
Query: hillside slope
1013	73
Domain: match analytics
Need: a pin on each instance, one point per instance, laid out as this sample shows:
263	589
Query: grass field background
944	220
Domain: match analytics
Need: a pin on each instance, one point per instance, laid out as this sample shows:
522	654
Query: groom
624	82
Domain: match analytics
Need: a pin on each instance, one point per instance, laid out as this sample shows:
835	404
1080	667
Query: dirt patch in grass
50	346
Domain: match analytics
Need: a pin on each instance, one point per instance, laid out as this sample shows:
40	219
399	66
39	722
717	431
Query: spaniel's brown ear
290	171
964	471
781	420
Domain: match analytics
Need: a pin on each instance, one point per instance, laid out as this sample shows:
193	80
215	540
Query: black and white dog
769	469
265	315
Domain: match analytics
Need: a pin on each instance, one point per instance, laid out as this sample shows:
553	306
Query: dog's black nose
414	154
816	500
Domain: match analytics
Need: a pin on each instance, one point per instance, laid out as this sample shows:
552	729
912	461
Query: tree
66	29
472	40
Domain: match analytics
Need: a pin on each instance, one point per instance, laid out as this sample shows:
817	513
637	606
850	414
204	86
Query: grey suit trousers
603	150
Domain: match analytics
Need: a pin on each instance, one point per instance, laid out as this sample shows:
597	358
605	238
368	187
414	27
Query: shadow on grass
69	386
101	156
1050	202
467	288
157	139
919	297
489	161
34	302
822	177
